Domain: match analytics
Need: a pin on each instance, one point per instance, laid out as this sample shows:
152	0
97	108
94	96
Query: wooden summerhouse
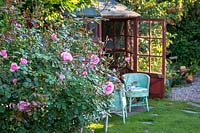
127	35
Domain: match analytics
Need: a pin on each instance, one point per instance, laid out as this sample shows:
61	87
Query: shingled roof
111	9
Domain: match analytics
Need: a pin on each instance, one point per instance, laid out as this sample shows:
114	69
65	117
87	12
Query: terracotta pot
189	78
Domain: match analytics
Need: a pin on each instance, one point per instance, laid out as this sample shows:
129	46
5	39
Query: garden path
187	92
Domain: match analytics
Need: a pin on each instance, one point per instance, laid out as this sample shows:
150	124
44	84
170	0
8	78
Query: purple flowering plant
51	71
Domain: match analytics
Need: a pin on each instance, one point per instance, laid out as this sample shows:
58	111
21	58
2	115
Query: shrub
51	72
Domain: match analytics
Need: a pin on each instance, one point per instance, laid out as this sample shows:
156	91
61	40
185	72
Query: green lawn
165	116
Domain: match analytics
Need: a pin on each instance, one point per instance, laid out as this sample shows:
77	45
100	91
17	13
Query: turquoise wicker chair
137	86
119	106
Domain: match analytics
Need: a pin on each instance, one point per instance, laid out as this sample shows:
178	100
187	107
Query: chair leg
130	102
147	104
143	101
81	130
126	112
123	115
106	124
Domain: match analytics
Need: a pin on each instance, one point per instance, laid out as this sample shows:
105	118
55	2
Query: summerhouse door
150	52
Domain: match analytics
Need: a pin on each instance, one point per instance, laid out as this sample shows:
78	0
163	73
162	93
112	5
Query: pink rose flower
127	59
18	25
85	73
14	67
109	88
14	81
76	71
94	59
54	36
66	56
37	25
89	52
34	103
61	77
91	66
83	59
24	106
23	61
3	53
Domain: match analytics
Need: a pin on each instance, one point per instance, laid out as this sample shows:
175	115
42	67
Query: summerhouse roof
111	9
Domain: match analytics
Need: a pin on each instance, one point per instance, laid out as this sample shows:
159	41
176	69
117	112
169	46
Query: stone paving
187	92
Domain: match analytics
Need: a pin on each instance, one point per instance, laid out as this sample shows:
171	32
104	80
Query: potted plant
193	69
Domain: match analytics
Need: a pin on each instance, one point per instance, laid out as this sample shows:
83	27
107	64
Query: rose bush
51	72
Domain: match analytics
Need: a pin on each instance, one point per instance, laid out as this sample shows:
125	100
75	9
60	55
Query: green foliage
69	5
56	96
186	43
173	77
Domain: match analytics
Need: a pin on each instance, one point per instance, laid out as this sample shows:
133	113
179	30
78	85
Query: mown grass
165	116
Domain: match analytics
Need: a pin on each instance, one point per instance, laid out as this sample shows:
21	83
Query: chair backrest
136	79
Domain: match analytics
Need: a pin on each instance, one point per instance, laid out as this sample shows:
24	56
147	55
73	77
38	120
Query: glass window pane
120	59
156	64
143	47
120	44
130	46
92	29
156	29
130	61
119	28
143	64
109	28
119	33
156	47
131	27
109	44
109	36
143	29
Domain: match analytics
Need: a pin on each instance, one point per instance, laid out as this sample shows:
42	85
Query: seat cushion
137	92
138	89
